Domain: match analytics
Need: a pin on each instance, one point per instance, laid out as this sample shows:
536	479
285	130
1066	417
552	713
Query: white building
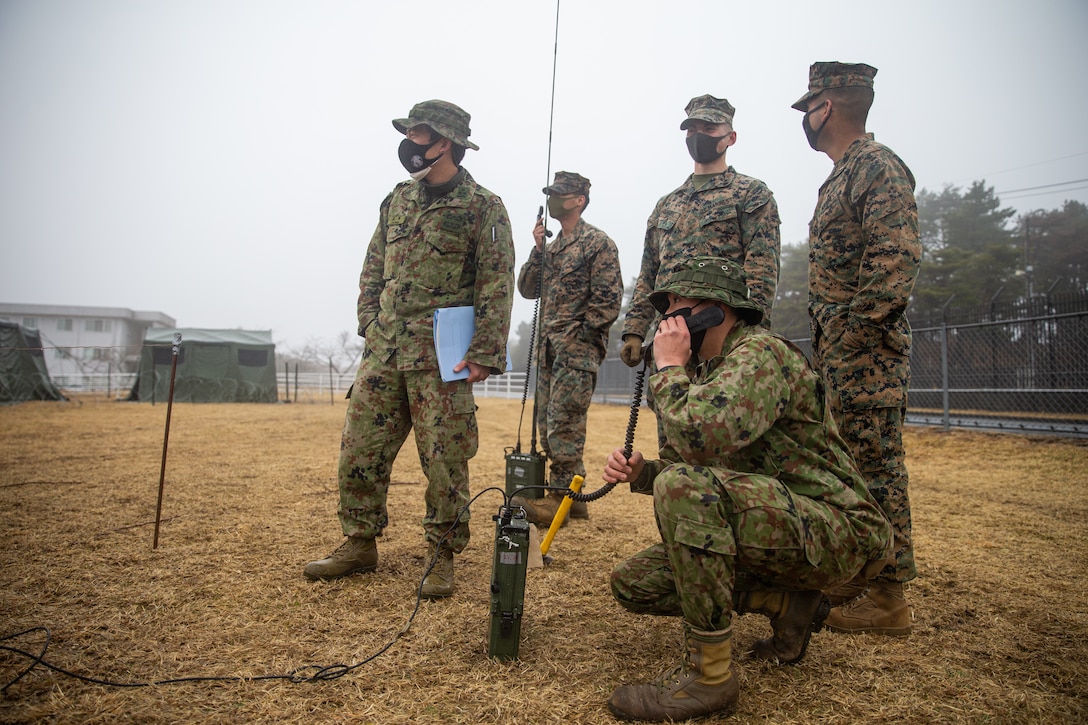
83	340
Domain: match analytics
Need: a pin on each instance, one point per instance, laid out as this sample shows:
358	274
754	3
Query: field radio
508	581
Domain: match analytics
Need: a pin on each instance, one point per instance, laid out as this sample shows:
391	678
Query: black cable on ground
306	673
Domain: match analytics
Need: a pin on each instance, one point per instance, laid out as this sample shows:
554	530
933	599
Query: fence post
944	364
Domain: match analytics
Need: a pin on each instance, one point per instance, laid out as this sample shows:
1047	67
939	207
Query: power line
1044	186
1037	163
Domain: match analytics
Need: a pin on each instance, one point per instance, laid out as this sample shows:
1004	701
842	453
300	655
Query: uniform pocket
450	232
460	434
706	537
898	341
722	223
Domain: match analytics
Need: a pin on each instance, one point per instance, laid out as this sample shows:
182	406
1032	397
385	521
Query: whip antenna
547	181
551	108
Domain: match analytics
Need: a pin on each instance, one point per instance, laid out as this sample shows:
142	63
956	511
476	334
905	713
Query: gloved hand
631	352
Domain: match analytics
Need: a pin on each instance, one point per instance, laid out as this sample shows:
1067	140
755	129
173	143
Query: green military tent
213	366
23	375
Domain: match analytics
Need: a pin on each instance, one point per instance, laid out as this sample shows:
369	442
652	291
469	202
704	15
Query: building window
62	352
98	325
65	324
30	323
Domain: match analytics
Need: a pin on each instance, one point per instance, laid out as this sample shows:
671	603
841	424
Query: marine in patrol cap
447	120
710	278
708	108
833	74
568	182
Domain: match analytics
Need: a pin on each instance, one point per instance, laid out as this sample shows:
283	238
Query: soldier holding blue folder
442	241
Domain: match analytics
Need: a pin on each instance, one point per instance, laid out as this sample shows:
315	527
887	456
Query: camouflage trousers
386	404
563	395
724	533
875	439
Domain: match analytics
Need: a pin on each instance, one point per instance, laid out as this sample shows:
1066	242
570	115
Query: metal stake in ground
166	435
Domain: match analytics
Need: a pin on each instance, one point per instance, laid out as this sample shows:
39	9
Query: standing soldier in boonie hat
864	256
757	500
581	294
442	241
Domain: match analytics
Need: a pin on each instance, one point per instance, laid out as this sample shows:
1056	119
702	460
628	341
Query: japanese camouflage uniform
755	489
733	216
582	294
426	253
864	257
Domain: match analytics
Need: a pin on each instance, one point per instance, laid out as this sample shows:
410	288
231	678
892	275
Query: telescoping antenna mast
512	529
525	470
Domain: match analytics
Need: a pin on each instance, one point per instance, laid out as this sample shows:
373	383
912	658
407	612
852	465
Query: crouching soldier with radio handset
759	505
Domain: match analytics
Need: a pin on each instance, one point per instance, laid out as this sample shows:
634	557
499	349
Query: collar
720	181
851	152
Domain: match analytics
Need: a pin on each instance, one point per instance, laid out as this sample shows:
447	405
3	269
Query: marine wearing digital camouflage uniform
442	240
582	294
864	256
757	500
716	212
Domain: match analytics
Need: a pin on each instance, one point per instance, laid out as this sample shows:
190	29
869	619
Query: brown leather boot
850	590
356	554
794	617
541	511
439	581
883	610
703	683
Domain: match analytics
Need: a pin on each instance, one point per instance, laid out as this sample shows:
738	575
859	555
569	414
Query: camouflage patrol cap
568	182
832	74
708	108
447	120
710	278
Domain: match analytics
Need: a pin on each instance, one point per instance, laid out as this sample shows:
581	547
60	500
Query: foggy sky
223	162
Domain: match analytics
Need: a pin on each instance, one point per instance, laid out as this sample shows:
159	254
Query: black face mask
413	157
703	148
806	124
699	323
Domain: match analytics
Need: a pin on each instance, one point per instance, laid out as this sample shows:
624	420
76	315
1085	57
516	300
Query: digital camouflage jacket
864	256
733	216
583	291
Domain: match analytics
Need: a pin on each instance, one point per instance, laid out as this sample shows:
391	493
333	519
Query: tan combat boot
883	610
794	617
439	581
356	554
579	510
848	591
703	683
541	511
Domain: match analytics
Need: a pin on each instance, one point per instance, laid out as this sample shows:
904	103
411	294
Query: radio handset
539	217
705	319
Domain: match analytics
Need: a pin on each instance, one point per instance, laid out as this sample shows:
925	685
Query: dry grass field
1001	607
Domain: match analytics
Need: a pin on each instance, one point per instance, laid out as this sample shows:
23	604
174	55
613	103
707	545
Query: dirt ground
1000	607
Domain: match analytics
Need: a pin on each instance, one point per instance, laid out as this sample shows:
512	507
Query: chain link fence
1021	367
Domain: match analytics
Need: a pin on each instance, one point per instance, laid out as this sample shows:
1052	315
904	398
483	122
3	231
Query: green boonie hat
833	74
445	118
710	278
708	108
568	182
